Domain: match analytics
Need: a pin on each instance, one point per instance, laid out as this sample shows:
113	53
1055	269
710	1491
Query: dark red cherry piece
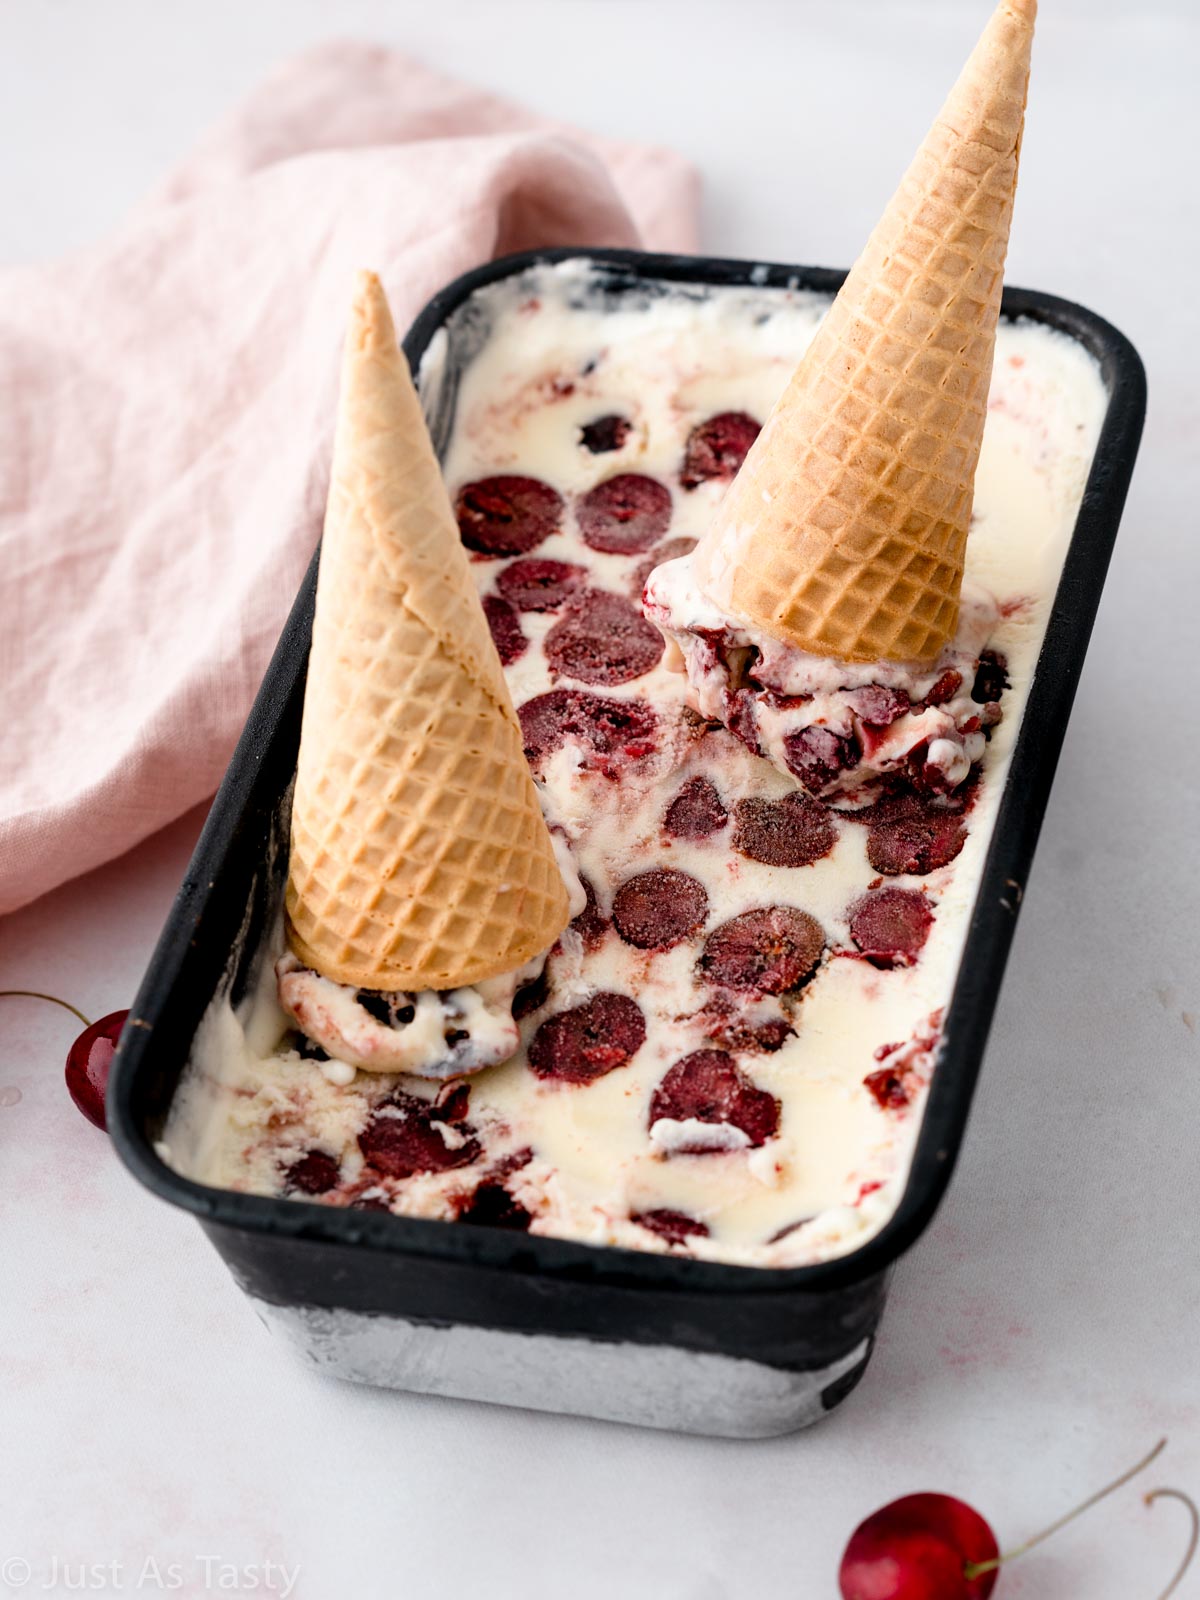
588	1041
709	1086
890	926
507	515
717	448
313	1172
792	832
505	626
696	811
539	584
673	1226
770	950
655	910
611	731
405	1135
605	433
624	515
603	638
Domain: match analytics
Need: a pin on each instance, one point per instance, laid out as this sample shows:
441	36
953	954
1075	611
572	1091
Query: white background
1047	1329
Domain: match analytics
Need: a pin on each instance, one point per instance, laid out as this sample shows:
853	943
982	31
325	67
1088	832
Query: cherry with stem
90	1056
936	1547
35	994
1186	1500
976	1569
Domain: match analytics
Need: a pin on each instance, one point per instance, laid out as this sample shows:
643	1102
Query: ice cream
838	727
728	1051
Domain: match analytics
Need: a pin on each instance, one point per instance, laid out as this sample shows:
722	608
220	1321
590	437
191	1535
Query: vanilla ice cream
727	1052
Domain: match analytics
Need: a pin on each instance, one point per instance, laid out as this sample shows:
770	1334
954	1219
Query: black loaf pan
467	1310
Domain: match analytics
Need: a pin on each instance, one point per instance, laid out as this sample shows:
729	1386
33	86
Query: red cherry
919	1548
934	1547
88	1063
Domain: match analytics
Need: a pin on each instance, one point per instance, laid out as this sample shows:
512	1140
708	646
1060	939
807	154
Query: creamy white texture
437	1035
585	1160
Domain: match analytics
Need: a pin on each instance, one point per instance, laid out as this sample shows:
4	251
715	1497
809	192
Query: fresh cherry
920	1548
936	1547
88	1062
89	1058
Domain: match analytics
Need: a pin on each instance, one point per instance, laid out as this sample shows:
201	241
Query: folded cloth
168	401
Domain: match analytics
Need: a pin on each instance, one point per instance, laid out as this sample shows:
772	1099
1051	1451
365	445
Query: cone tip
370	316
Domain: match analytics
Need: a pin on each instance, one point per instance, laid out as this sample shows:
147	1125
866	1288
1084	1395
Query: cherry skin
88	1063
919	1548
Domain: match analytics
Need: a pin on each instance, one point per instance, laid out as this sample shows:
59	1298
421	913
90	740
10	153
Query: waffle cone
845	531
420	858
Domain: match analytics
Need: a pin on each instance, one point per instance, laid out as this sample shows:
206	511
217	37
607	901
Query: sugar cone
420	858
845	531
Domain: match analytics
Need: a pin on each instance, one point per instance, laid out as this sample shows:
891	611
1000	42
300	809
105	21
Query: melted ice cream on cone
842	539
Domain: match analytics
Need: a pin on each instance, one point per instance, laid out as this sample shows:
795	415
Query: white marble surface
1045	1331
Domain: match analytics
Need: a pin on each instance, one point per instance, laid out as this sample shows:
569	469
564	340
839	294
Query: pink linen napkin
168	400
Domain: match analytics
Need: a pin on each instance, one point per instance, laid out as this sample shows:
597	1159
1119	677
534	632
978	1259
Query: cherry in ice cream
507	515
314	1172
505	627
610	730
539	584
625	515
588	1041
817	756
709	1086
603	638
405	1135
792	832
696	811
717	448
673	1226
890	926
491	1206
912	833
944	689
605	433
591	924
770	950
657	909
991	678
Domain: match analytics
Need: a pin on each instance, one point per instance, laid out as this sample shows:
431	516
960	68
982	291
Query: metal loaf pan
454	1308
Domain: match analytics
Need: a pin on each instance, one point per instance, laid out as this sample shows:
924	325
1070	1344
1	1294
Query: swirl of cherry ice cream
838	727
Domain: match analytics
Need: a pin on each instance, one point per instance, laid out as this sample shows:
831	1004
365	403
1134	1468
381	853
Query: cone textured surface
420	858
845	531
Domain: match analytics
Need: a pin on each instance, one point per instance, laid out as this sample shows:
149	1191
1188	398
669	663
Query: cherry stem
1178	1494
976	1569
33	994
